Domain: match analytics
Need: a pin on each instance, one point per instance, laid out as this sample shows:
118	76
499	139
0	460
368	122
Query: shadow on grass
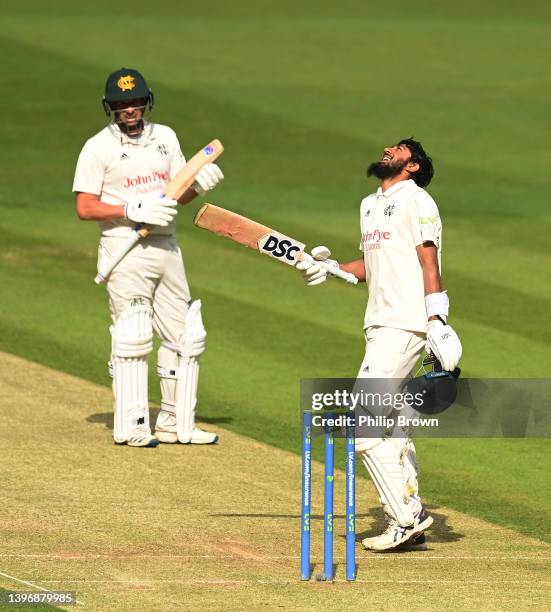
440	530
107	418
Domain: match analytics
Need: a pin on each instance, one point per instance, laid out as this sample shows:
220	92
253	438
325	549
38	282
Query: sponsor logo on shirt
149	179
375	239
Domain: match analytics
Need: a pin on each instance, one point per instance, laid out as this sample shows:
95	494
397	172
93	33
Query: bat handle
142	230
109	266
345	276
334	271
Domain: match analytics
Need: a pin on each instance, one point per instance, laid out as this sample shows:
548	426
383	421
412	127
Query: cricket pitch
214	527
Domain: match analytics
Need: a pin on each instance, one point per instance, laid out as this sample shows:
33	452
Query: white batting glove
444	343
313	273
151	209
207	178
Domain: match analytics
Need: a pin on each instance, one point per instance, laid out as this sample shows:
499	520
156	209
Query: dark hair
424	175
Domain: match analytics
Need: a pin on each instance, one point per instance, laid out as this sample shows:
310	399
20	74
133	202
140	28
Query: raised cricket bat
260	237
174	190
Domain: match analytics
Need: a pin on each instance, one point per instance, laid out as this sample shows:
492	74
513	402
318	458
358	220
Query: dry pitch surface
183	527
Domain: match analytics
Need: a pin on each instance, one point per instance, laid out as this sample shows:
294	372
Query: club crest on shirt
163	149
367	212
389	210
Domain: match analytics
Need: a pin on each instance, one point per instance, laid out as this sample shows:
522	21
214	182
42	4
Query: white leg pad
132	341
385	466
189	349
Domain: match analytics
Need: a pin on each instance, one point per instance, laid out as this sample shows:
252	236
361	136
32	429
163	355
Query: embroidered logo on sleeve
428	220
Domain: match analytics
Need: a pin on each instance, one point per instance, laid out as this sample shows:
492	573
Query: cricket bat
261	238
174	190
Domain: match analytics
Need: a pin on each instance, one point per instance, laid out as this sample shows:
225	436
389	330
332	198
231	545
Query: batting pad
383	463
190	347
132	341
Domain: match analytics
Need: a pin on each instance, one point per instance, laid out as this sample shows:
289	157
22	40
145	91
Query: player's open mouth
386	158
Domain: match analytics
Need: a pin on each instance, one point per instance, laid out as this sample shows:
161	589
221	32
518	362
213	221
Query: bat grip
142	230
332	270
345	276
109	266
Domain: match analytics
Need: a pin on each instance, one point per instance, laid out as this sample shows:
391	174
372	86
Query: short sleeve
89	173
177	159
427	226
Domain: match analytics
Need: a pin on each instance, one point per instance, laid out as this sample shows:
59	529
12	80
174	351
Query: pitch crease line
528	581
411	557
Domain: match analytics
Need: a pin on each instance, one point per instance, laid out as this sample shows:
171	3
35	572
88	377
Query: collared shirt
116	168
393	223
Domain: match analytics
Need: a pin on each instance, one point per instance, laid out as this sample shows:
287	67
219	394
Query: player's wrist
438	306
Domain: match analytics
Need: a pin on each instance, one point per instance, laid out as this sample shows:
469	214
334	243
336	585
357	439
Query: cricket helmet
125	84
437	387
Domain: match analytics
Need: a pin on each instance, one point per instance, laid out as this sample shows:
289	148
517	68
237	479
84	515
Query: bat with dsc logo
174	190
261	238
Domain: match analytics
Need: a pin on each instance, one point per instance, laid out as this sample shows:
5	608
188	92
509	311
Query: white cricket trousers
152	270
393	353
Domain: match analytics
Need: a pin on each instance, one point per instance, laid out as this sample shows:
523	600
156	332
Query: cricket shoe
415	542
395	536
141	439
198	436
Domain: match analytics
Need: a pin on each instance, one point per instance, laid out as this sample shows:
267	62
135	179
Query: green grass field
303	96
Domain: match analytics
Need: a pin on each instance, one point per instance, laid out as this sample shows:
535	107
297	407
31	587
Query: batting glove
314	273
444	343
151	209
207	178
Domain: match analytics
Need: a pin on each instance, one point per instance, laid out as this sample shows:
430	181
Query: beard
130	130
384	170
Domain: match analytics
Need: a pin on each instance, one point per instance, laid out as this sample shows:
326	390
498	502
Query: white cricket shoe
141	438
395	536
198	436
416	542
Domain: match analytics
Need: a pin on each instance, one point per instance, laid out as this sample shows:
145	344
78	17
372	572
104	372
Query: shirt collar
396	187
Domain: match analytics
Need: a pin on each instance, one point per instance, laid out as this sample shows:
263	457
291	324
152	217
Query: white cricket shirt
393	223
115	167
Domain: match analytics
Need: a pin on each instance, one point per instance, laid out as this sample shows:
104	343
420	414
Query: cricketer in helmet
126	98
121	183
